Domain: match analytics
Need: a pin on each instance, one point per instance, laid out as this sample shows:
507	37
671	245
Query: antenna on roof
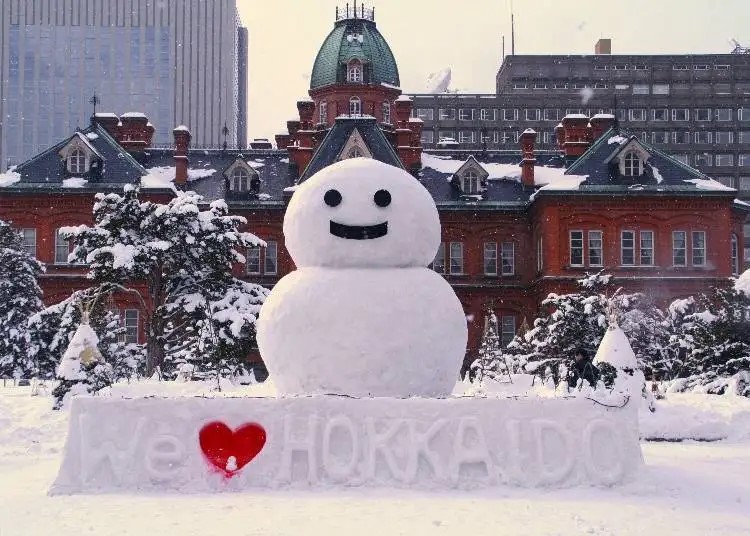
94	100
503	48
225	131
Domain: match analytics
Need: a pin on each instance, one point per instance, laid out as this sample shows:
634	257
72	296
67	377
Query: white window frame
536	114
252	260
28	239
704	159
641	89
718	112
735	254
355	106
686	112
444	115
323	112
61	243
508	258
702	136
724	159
728	133
701	251
676	250
507	330
743	160
466	114
490	258
643	247
637	114
271	252
466	136
513	115
386	112
77	162
240	179
665	112
470	182
660	89
593	238
629	250
355	72
456	250
702	114
631	164
540	254
131	320
576	244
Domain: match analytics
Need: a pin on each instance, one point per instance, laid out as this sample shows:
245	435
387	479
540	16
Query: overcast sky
466	35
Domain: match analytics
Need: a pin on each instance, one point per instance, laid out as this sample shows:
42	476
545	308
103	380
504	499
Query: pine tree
125	359
184	254
20	298
81	369
50	332
490	363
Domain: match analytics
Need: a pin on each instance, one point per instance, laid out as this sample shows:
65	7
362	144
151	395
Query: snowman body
362	315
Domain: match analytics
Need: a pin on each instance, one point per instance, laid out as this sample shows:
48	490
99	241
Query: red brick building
517	225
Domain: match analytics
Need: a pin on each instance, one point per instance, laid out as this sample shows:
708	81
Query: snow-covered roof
133	115
403	98
182	128
106	115
576	116
9	177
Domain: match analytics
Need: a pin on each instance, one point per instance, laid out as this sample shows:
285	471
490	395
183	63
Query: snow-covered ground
686	488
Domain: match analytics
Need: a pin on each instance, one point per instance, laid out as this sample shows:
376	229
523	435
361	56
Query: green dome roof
349	39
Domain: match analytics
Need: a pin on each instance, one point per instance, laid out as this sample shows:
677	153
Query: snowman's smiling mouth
359	232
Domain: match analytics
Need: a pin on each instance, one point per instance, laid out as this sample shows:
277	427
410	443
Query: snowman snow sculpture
362	315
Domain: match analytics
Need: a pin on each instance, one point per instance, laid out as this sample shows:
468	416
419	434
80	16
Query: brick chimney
181	145
560	136
577	135
528	138
292	127
109	122
306	109
603	46
135	132
600	124
283	141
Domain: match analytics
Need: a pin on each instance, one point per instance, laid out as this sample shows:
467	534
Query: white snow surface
92	135
10	177
615	349
182	128
617	139
163	176
133	115
709	184
363	332
549	177
413	228
74	182
687	489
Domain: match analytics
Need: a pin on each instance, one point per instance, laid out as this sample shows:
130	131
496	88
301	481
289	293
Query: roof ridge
107	137
592	148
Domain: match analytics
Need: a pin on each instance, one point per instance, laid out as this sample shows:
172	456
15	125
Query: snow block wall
233	444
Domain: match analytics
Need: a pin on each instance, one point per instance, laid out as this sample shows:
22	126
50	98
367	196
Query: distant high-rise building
177	61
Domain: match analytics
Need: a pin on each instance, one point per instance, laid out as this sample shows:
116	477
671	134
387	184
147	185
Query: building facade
178	62
517	223
695	107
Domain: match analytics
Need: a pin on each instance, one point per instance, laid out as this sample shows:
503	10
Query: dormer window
240	179
77	162
355	106
354	71
470	182
632	165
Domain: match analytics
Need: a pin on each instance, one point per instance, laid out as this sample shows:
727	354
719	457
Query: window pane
253	260
576	248
270	266
678	248
131	326
457	257
647	248
508	258
62	248
508	330
595	248
628	248
29	241
699	248
490	258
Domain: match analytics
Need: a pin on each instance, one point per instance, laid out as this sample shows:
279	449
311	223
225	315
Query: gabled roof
330	148
47	171
662	172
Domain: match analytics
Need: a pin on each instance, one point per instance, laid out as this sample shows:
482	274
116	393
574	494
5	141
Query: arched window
77	162
470	182
354	71
355	106
323	112
240	179
387	113
735	255
632	165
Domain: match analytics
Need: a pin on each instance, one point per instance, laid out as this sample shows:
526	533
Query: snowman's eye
332	198
382	198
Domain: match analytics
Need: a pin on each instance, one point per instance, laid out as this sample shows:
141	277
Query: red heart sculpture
220	444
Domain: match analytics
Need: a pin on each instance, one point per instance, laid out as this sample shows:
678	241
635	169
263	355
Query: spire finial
94	100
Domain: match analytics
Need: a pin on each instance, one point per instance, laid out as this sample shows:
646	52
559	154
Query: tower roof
354	36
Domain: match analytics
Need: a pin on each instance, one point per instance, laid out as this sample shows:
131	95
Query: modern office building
694	107
177	62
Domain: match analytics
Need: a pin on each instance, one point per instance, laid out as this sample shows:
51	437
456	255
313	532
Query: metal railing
355	12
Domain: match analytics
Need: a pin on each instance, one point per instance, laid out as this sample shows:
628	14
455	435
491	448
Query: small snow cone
79	362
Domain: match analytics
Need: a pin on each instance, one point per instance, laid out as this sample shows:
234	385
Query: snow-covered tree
20	298
81	369
490	363
124	358
183	252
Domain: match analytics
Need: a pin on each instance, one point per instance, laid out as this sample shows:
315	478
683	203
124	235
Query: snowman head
361	213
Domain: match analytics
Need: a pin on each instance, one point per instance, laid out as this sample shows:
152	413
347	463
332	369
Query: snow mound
743	283
74	182
615	349
81	350
10	177
709	184
338	442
